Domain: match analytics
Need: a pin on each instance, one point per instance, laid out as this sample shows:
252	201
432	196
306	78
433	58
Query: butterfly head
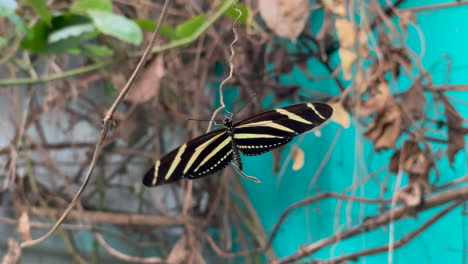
227	121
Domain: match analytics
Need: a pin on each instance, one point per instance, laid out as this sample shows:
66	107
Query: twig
435	6
107	124
373	223
398	244
119	255
114	218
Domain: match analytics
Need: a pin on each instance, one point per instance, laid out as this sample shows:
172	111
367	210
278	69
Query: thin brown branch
373	223
115	218
435	6
398	244
119	255
447	87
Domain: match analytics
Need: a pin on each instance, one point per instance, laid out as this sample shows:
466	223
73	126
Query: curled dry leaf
149	83
287	18
414	161
335	6
385	129
298	158
23	226
456	131
340	115
380	99
411	105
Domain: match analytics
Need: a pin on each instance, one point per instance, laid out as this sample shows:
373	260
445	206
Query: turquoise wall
445	32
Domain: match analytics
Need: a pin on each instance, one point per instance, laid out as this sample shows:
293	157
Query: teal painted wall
445	32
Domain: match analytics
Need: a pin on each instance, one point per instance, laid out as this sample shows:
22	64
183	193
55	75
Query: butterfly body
255	135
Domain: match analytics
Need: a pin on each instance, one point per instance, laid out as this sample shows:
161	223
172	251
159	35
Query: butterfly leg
245	175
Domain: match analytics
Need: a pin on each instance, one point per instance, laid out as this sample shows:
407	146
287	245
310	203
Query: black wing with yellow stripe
258	134
201	156
271	129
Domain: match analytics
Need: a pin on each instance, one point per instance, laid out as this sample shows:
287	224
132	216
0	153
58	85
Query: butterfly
254	135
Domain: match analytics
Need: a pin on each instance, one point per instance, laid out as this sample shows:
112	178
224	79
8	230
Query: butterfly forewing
198	157
271	129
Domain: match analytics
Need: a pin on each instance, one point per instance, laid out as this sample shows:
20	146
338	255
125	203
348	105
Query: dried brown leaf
347	58
298	158
415	161
456	135
340	115
411	105
360	81
128	126
287	18
385	129
381	99
23	226
346	32
335	6
149	83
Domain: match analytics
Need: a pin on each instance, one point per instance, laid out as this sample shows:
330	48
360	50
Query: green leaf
40	7
150	25
232	13
98	5
97	51
66	32
70	31
117	26
36	38
187	28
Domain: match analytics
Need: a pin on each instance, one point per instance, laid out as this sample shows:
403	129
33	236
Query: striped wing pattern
212	152
271	129
201	156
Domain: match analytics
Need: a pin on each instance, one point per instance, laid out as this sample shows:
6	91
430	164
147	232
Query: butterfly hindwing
198	157
271	129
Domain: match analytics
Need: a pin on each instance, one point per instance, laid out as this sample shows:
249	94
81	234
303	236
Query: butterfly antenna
202	120
242	108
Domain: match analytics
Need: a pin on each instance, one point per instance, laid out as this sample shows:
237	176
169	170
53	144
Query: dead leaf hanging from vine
335	6
298	158
347	59
456	135
149	83
411	105
340	115
287	18
385	128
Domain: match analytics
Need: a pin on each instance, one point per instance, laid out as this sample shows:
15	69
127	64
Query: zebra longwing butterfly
255	135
